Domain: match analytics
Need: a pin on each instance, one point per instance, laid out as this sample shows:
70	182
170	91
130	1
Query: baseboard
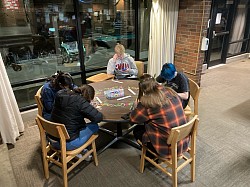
29	115
238	57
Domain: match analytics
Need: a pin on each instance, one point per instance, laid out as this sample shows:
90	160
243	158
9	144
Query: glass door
218	33
240	32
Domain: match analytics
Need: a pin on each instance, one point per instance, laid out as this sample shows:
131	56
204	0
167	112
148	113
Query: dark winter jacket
70	109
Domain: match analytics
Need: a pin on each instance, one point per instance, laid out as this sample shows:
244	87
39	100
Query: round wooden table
113	109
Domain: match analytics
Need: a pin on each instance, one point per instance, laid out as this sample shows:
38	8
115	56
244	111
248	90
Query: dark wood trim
79	40
137	29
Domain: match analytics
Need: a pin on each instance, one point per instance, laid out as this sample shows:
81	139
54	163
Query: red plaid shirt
158	123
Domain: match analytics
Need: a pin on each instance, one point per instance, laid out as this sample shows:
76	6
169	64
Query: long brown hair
149	93
87	91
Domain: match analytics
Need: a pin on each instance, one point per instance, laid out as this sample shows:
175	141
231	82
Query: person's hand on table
134	104
94	103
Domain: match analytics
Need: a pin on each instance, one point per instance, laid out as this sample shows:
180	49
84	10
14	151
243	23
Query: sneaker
88	159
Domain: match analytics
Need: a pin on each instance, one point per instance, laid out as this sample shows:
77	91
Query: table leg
107	146
107	131
130	142
122	137
119	136
119	129
129	130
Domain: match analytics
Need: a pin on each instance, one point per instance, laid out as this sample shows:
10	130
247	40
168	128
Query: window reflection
39	38
103	26
35	38
144	24
240	30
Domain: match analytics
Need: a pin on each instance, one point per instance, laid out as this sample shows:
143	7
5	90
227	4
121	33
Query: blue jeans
84	135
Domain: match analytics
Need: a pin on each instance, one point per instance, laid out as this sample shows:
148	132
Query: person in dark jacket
53	84
71	107
160	109
178	81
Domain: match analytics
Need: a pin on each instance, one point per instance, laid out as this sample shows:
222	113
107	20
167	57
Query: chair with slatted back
192	107
175	164
38	99
140	67
99	77
67	160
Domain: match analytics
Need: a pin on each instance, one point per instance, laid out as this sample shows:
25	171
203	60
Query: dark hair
61	80
87	91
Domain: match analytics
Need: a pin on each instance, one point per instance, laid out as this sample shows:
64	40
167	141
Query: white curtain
238	30
163	26
11	122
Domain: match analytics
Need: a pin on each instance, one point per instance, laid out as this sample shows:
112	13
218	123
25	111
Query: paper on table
99	100
131	91
124	74
123	97
116	81
132	77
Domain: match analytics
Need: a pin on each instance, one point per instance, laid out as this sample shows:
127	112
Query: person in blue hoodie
53	84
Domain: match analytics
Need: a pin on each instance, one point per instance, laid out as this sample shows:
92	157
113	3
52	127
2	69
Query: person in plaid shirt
159	109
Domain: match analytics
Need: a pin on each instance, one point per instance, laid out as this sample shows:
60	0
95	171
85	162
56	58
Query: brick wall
192	20
9	18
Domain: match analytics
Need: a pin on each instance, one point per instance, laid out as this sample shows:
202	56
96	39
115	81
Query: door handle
220	33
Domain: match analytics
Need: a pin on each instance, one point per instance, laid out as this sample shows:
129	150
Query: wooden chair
38	99
140	67
176	134
65	160
194	98
99	77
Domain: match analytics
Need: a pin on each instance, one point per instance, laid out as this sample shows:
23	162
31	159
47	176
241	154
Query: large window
38	38
104	25
145	8
240	35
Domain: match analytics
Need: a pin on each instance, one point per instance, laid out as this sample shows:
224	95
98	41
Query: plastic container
114	93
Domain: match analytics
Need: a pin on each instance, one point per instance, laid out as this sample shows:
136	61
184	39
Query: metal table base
119	136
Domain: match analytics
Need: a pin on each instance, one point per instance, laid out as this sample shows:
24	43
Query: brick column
192	22
8	17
